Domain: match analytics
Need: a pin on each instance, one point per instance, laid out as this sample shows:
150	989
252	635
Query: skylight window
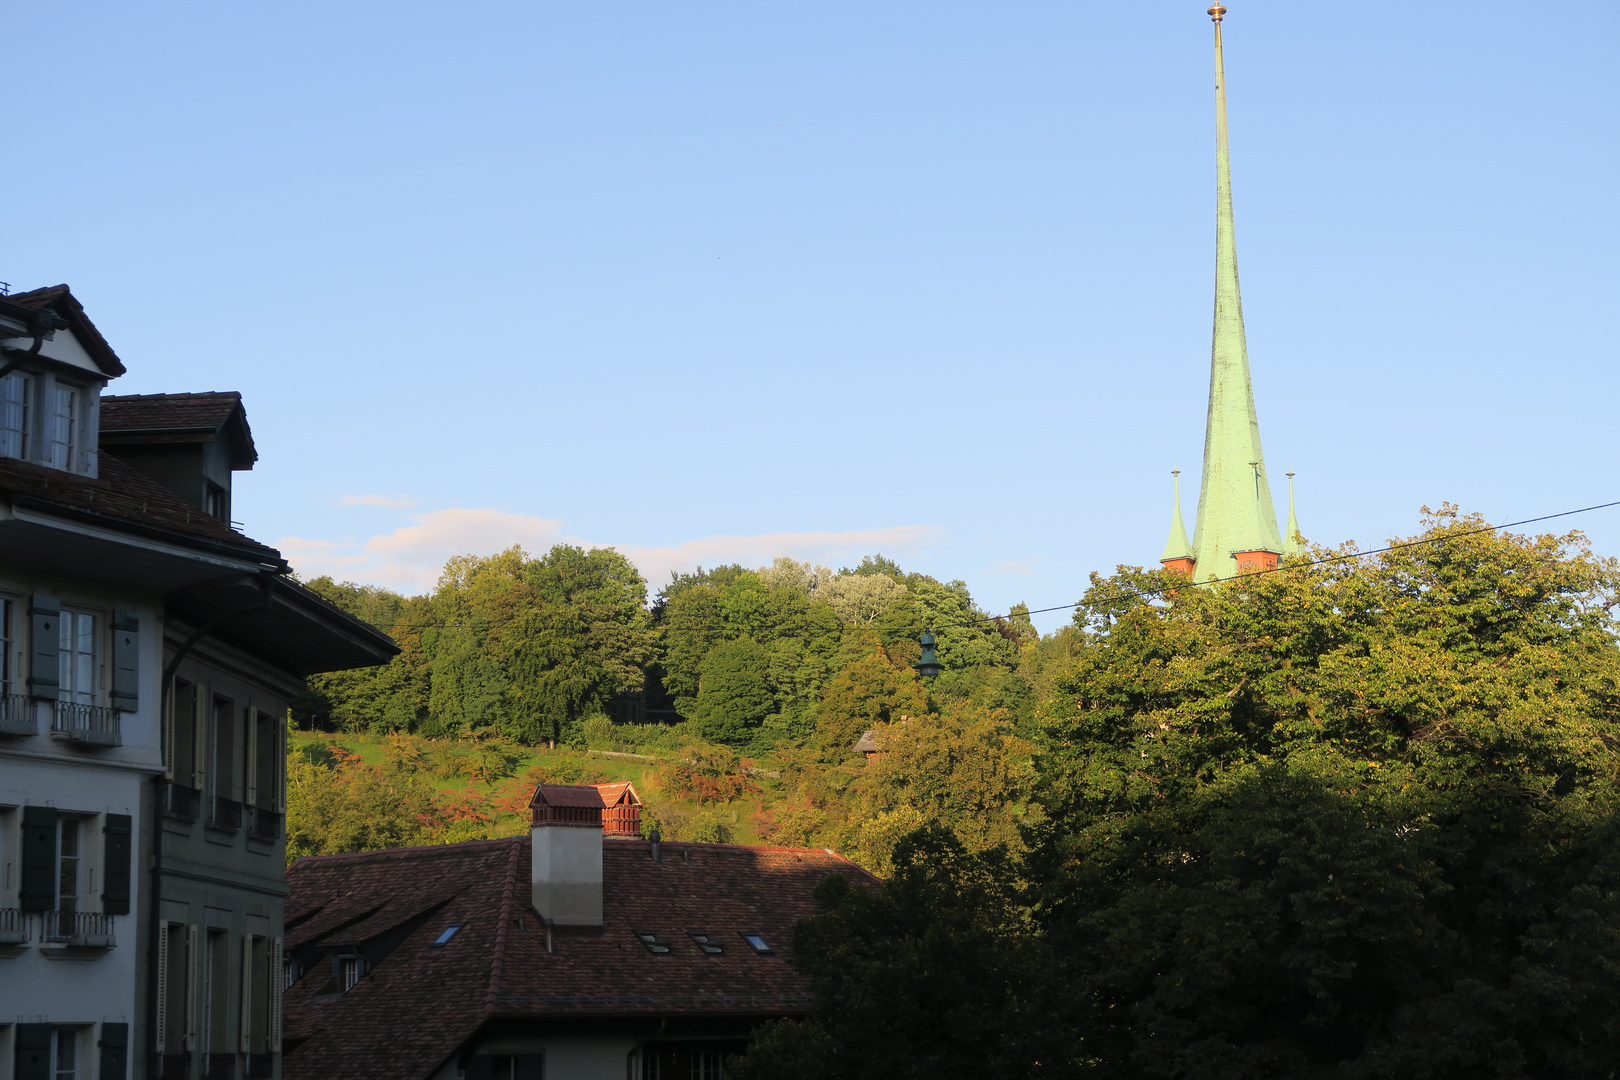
706	942
759	944
655	944
449	932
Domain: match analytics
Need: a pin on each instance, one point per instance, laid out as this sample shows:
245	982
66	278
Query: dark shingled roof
420	1003
60	299
199	412
124	495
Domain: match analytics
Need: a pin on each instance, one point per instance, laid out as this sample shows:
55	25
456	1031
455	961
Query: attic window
706	942
350	968
759	944
449	932
655	944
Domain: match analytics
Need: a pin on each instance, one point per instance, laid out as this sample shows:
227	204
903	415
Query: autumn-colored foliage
709	774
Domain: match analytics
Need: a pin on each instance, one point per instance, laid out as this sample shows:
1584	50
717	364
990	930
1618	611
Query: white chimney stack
567	854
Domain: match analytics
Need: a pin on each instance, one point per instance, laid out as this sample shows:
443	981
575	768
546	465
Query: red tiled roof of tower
422	1001
580	795
612	793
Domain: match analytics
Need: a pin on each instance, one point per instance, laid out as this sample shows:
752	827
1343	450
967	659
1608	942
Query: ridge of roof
498	961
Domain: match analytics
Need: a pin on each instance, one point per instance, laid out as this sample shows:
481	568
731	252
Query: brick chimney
566	875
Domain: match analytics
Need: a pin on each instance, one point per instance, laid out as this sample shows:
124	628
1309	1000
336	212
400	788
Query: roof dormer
189	443
53	364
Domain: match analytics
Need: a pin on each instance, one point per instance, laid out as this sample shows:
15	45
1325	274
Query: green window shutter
114	1052
33	1051
126	683
38	858
45	646
117	833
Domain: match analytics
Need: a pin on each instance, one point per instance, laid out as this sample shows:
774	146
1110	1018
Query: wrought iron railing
18	715
181	802
219	1067
13	926
88	929
95	725
225	814
266	824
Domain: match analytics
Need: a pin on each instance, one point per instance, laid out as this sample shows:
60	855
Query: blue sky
722	281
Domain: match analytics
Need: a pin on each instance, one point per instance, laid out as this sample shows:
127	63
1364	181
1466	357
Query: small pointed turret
1178	553
1293	542
1237	524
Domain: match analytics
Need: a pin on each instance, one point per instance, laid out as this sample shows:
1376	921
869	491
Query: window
5	653
183	737
759	944
655	944
65	1054
176	944
706	942
215	502
449	932
67	865
289	972
76	660
258	996
64	427
350	968
15	390
506	1067
224	747
216	992
705	1065
266	755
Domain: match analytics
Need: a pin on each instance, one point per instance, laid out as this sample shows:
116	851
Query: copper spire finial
1216	12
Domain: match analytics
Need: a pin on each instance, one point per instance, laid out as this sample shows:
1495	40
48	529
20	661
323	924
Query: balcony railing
181	802
219	1067
261	1066
13	926
173	1065
18	715
266	824
83	929
225	814
92	725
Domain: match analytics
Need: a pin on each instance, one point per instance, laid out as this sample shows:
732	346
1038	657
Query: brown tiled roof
168	412
123	496
613	793
420	1003
585	795
60	299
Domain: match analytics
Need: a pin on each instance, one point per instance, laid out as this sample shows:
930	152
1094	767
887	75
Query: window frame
24	404
70	635
74	419
73	1037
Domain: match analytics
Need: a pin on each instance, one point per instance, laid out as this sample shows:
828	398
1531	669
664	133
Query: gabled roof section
571	795
60	300
144	419
422	1002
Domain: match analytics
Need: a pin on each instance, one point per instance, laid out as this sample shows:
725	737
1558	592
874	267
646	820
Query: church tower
1236	528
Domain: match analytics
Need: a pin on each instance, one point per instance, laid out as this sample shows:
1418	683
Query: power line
1143	594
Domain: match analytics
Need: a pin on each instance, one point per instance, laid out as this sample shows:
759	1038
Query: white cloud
409	558
385	502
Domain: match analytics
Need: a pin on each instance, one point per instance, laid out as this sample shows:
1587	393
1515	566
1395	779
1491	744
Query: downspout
154	916
26	354
630	1056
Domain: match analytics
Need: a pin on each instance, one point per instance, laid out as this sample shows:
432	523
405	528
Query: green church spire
1177	548
1235	513
1293	542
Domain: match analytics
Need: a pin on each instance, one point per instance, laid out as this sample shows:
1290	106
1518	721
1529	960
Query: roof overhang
60	544
245	601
